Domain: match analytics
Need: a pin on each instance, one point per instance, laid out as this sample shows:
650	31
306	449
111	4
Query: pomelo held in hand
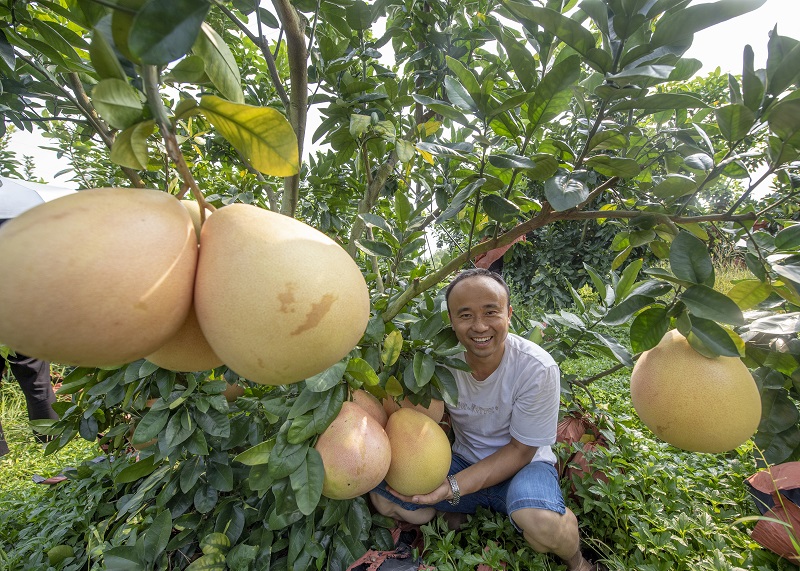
97	278
420	452
277	300
355	453
693	402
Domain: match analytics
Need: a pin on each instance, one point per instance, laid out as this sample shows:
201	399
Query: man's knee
545	530
388	508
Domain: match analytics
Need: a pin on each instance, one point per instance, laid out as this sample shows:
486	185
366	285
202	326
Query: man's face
480	315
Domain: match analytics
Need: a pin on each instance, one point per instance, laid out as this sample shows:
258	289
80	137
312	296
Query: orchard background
578	125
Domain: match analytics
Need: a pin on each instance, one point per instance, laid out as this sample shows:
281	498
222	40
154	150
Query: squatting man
504	426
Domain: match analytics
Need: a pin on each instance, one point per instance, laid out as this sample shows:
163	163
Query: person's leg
536	507
33	377
3	443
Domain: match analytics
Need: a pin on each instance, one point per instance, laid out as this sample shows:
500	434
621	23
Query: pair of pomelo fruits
366	444
107	276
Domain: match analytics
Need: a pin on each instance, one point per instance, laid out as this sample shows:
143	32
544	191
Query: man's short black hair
476	272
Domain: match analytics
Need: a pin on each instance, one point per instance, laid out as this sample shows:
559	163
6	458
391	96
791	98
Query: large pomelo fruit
693	402
420	452
97	278
277	300
355	453
187	350
435	410
372	405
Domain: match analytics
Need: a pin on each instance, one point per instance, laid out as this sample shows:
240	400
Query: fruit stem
151	78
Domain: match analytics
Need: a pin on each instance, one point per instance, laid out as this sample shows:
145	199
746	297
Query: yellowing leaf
130	146
261	134
391	348
393	387
426	156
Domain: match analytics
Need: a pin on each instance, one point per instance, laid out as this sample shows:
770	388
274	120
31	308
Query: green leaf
788	238
500	209
150	426
164	31
210	562
104	59
136	471
621	313
781	77
458	95
690	260
749	293
674	186
735	121
130	146
522	61
466	77
752	86
215	542
567	30
614	166
627	279
789	271
375	248
157	535
679	26
307	482
554	93
660	102
123	558
261	134
608	140
648	328
782	324
405	150
424	367
617	350
714	338
328	378
362	371
392	346
566	190
258	454
117	102
220	65
359	124
447	385
707	303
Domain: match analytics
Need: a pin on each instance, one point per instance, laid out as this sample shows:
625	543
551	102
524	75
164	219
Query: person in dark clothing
33	376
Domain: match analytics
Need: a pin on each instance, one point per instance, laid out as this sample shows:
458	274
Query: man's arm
492	470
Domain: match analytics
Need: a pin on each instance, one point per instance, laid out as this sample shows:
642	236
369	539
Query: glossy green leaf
788	238
622	312
328	378
660	102
164	31
157	535
136	471
781	324
215	542
117	102
617	350
749	293
359	17
567	30
643	74
789	271
210	562
648	328
679	26
460	200
752	86
375	248
261	134
405	150
597	281
375	221
690	261
674	186
424	367
362	371
150	426
784	121
614	166
465	77
500	209
707	303
554	93
608	140
627	279
735	121
220	65
716	339
130	146
307	482
123	558
459	96
787	72
522	61
104	59
359	124
566	190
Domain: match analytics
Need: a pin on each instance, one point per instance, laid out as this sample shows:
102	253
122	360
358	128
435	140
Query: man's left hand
441	493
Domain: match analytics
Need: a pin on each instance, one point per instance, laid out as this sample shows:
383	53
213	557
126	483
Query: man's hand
441	493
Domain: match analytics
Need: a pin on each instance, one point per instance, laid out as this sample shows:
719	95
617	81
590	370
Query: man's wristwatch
456	493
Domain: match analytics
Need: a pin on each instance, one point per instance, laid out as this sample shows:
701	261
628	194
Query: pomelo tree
495	120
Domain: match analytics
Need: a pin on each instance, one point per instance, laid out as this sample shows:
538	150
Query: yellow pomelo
435	410
420	452
187	350
277	300
97	278
355	453
693	402
372	405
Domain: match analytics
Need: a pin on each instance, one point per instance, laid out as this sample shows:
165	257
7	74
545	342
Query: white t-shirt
520	399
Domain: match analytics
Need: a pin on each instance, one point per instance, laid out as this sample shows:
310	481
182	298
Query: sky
720	46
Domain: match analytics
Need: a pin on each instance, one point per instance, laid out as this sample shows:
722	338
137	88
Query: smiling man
504	425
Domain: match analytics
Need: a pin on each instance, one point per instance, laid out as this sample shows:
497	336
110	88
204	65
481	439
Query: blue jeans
534	486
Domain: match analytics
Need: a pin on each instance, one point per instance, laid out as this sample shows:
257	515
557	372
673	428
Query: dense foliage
496	120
